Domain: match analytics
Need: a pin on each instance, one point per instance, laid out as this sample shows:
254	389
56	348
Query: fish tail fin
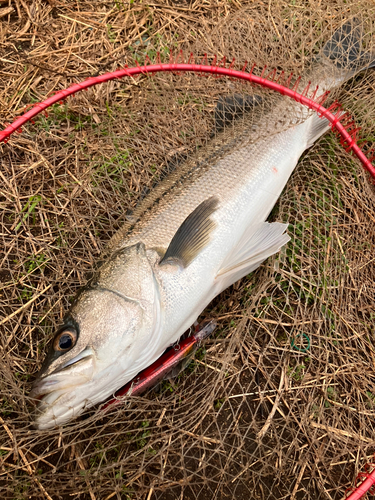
345	49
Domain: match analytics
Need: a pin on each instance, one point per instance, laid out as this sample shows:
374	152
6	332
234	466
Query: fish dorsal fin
255	246
230	107
193	234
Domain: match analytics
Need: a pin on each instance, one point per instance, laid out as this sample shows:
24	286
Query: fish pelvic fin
193	234
345	49
251	251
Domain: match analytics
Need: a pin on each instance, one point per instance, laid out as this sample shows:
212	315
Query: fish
197	232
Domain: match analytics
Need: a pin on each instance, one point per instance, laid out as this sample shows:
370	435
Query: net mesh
280	403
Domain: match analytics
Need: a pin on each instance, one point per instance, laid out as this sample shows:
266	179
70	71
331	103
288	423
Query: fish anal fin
193	235
266	240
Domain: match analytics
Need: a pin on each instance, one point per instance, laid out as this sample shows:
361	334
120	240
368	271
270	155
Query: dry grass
254	417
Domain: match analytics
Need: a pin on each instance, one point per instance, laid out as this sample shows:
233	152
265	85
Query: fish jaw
65	400
76	373
57	395
66	392
49	415
64	395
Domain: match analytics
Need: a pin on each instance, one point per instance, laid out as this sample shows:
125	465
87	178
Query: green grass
219	403
35	262
141	49
29	210
112	170
58	114
297	372
331	395
6	408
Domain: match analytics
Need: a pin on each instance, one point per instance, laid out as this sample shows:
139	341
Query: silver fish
199	231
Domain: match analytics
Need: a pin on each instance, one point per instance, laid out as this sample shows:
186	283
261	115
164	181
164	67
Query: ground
280	402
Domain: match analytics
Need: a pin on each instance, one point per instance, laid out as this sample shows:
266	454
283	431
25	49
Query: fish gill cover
280	404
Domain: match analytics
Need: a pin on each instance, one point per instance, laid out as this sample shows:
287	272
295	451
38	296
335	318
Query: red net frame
340	121
367	484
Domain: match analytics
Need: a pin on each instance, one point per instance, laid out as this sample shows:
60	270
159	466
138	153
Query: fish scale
205	173
241	174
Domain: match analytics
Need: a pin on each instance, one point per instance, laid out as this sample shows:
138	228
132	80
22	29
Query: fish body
199	231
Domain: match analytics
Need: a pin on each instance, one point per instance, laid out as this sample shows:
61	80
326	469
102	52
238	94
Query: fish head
110	330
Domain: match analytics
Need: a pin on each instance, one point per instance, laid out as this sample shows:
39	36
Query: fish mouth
75	372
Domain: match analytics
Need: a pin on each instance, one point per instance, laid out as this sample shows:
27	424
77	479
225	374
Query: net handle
347	138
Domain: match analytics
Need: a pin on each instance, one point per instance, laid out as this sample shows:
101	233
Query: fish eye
65	340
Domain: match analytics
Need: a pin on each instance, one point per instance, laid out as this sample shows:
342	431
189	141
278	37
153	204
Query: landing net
280	403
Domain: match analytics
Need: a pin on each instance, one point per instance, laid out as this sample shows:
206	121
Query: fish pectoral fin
253	248
193	235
